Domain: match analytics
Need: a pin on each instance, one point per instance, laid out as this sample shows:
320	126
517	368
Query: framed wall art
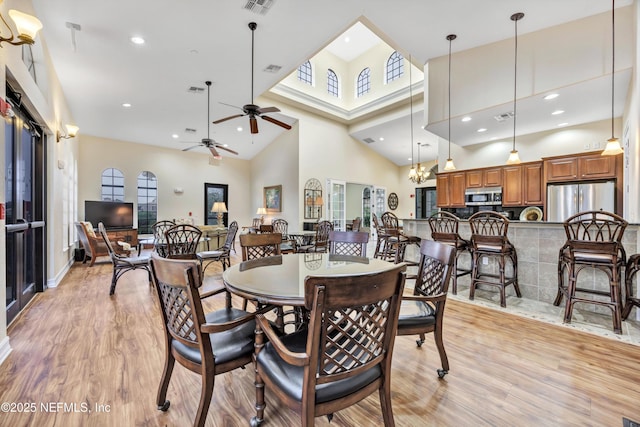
273	198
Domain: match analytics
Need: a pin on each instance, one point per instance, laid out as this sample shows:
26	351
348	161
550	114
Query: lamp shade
613	147
27	25
261	211
318	201
72	130
219	207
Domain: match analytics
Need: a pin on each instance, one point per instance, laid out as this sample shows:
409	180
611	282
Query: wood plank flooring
77	349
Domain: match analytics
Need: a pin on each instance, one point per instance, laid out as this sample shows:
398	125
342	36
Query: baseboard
5	349
53	283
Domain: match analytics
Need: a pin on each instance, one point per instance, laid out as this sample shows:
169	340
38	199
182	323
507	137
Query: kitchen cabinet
450	188
581	167
512	186
477	178
532	188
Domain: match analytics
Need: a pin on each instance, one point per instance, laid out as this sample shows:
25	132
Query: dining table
279	280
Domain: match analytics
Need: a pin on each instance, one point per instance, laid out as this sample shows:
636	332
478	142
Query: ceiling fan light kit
252	110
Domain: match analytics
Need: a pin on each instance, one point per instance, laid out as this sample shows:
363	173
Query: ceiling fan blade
254	124
191	148
268	110
215	153
227	149
215	122
276	122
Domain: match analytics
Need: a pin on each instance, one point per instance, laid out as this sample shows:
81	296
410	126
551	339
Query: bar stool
593	240
489	238
633	265
444	229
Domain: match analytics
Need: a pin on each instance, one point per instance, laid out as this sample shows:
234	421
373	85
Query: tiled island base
538	245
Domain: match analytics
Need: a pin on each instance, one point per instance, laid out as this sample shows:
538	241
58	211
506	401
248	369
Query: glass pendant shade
514	158
613	147
449	166
27	25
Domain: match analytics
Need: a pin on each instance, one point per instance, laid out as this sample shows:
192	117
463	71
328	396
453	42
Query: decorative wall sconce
71	132
27	26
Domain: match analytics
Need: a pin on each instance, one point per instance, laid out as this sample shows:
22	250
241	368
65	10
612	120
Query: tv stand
129	235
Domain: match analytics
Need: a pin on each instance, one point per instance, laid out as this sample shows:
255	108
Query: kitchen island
537	245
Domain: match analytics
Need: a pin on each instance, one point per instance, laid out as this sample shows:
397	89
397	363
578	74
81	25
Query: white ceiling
190	42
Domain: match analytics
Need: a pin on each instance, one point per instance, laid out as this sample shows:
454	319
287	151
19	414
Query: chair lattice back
352	321
255	223
322	233
231	236
182	241
260	245
488	223
352	243
435	268
175	280
444	227
159	239
280	226
595	226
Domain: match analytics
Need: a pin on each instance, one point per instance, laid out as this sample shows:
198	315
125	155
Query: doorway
25	208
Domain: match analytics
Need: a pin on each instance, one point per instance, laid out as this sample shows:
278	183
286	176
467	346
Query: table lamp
220	208
262	212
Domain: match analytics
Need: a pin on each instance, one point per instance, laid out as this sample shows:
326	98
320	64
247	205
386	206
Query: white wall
173	168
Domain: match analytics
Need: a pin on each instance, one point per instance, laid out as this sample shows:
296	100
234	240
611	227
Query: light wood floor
76	345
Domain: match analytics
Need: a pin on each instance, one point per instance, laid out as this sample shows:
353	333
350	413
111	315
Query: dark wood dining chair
344	354
321	241
182	241
594	240
122	263
282	226
221	254
207	344
352	243
423	312
260	245
159	239
444	229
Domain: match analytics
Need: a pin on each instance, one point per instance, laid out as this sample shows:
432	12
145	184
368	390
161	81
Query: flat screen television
111	214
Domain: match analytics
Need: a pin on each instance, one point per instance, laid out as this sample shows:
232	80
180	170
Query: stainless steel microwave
485	196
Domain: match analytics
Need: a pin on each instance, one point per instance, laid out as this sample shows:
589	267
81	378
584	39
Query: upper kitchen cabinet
450	188
581	167
532	189
477	178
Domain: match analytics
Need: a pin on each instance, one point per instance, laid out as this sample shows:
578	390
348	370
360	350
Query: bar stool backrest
595	232
444	227
489	229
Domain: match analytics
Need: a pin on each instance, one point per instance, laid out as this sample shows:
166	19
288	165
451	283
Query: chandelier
418	174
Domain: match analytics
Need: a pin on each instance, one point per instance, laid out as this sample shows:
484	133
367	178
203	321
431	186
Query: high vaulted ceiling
190	42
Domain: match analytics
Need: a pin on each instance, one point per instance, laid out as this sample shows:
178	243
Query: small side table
633	265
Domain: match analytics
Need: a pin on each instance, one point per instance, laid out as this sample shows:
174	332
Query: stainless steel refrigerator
565	200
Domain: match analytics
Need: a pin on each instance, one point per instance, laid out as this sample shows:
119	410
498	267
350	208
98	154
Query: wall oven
485	196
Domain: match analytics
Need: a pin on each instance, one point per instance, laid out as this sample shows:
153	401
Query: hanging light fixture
514	158
417	174
613	144
449	166
27	26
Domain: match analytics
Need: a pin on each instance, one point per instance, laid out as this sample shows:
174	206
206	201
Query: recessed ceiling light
239	128
225	145
466	119
137	40
381	139
563	124
482	130
347	39
126	105
410	159
550	96
493	138
555	113
175	136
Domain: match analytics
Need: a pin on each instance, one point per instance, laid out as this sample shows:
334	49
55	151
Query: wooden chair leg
259	383
385	403
161	399
205	399
444	360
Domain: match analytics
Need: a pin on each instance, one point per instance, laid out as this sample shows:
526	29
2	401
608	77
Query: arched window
147	202
112	185
395	67
364	82
332	83
305	74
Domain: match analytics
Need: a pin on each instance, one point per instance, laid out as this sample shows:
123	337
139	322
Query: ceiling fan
253	110
208	142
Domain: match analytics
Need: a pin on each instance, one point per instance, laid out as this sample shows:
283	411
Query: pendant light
514	158
613	145
449	166
417	174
